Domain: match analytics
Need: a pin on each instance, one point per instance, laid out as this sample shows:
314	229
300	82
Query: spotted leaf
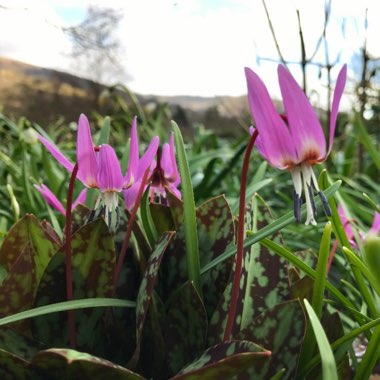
25	253
185	327
93	263
224	361
145	293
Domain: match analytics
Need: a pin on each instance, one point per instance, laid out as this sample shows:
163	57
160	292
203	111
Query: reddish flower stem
128	232
240	239
69	274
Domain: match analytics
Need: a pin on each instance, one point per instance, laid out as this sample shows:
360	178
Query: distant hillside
43	95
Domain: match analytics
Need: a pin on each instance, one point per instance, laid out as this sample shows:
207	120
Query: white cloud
195	47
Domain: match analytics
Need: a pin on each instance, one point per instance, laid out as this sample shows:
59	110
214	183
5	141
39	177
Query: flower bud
30	136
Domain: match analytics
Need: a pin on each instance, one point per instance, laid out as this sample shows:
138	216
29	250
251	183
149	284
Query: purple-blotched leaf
185	327
25	253
281	330
93	265
224	361
263	281
61	364
215	231
144	296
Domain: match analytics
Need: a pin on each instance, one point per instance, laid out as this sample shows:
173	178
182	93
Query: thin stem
240	238
128	231
69	274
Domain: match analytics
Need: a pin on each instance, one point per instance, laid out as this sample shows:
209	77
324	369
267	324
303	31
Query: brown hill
43	95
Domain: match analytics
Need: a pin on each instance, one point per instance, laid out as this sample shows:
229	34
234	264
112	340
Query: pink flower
163	173
52	200
99	167
374	230
294	142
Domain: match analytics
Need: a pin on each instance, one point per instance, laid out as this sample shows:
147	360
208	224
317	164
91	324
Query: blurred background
59	59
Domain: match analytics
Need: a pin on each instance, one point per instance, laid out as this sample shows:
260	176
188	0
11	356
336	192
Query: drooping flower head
99	167
163	176
294	141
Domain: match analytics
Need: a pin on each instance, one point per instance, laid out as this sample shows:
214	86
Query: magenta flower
52	200
163	176
374	230
294	142
99	167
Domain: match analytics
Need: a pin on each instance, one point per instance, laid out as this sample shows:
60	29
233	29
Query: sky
195	47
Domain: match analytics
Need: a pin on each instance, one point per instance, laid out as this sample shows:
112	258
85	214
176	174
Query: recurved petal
305	129
339	87
275	137
81	199
86	158
56	154
177	178
146	160
133	155
50	198
109	176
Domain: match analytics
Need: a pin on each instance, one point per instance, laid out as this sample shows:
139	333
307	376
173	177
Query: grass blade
67	305
329	370
189	216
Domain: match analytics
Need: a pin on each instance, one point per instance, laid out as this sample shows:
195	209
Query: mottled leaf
61	364
25	253
93	264
146	290
215	231
281	330
224	361
12	367
263	280
185	327
18	344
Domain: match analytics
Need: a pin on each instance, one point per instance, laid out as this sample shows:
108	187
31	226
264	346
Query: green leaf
367	141
281	330
318	292
105	131
25	253
12	367
92	263
224	361
61	364
145	293
185	327
66	305
268	230
329	369
189	220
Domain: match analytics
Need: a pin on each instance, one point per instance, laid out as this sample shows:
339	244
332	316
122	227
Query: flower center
303	177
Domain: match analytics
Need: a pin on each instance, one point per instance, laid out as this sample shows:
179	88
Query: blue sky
192	47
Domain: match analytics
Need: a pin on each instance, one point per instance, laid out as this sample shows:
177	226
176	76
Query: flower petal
86	158
177	178
339	87
133	156
375	229
304	125
146	160
57	154
109	176
50	198
81	199
276	140
130	195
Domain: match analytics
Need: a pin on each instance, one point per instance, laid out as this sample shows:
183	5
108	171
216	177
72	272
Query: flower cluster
99	167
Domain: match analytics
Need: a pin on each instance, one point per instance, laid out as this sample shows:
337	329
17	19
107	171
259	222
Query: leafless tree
96	50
